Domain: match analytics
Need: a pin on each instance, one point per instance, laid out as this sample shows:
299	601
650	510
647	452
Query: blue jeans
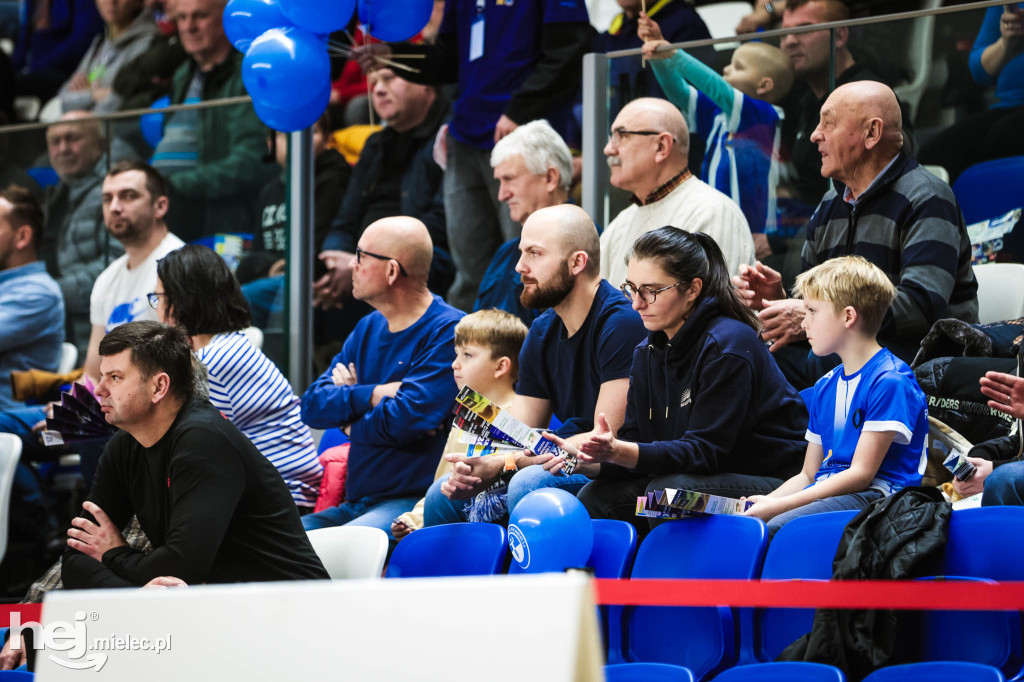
535	478
1005	485
829	504
438	509
20	420
361	513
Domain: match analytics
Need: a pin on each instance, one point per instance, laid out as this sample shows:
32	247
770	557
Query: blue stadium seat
613	551
647	672
803	549
43	175
990	189
986	543
991	638
936	671
702	639
455	549
782	672
330	438
611	557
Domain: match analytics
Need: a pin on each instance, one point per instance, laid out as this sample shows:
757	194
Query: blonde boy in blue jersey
487	345
868	416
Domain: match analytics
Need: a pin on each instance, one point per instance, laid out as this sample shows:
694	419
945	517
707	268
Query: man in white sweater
647	152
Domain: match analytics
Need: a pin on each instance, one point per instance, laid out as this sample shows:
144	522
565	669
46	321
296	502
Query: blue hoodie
711	400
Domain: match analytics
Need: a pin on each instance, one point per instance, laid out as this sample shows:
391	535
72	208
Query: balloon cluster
287	68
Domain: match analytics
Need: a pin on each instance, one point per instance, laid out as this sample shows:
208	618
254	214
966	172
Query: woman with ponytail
708	409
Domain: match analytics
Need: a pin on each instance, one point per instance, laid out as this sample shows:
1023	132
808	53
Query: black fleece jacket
711	400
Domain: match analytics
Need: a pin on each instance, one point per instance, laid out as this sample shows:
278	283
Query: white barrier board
517	628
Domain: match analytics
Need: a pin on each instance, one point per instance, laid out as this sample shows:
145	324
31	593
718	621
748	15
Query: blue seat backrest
455	549
707	547
790	671
804	548
646	672
991	188
331	438
936	670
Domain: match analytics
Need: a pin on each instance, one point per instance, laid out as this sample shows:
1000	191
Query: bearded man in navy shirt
574	364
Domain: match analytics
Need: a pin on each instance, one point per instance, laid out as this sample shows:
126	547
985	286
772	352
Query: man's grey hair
541	148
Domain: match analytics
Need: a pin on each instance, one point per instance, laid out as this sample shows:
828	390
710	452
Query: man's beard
552	292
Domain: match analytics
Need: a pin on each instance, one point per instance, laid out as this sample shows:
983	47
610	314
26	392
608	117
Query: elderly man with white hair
533	167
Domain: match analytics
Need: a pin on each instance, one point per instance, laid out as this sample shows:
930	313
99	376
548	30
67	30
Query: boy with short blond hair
737	116
487	345
868	416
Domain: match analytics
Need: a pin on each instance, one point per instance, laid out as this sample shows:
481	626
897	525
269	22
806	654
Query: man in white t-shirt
134	206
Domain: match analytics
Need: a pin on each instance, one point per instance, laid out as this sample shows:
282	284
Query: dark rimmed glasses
648	293
154	298
618	134
360	253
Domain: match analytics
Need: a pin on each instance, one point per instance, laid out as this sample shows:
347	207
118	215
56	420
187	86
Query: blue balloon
550	530
286	67
288	119
246	20
319	16
394	20
152	125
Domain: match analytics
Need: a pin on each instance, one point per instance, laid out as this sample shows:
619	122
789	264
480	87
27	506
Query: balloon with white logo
549	530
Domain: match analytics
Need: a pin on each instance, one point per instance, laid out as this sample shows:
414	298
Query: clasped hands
761	289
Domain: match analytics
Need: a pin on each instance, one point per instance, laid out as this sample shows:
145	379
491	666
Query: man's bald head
661	115
75	146
868	100
404	239
859	133
573	230
648	145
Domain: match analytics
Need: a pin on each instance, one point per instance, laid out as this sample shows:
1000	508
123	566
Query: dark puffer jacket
900	537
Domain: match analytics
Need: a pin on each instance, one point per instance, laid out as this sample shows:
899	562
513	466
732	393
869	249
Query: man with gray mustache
647	152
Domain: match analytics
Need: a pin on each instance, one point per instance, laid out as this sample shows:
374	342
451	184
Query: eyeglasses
618	134
648	293
359	259
154	298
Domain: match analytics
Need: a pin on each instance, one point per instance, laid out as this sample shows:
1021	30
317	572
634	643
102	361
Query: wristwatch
769	7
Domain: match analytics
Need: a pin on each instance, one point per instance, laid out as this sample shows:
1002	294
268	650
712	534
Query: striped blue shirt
250	391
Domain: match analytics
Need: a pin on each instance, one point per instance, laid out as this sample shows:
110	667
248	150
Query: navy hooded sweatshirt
711	400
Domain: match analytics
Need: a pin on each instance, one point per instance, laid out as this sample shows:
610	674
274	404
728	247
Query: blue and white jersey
741	158
251	392
882	396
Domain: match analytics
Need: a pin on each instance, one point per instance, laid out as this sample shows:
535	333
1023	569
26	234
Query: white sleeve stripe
812	437
903	434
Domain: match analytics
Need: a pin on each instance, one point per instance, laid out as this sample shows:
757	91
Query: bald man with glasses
647	149
391	387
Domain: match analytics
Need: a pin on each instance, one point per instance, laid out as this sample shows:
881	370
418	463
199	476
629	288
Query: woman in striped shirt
197	291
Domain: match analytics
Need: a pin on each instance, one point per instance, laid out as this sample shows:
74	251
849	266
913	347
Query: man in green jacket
213	157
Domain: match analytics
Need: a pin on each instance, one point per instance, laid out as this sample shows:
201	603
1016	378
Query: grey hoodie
107	57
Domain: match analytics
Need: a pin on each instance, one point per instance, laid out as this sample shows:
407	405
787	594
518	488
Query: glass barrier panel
227	189
960	106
